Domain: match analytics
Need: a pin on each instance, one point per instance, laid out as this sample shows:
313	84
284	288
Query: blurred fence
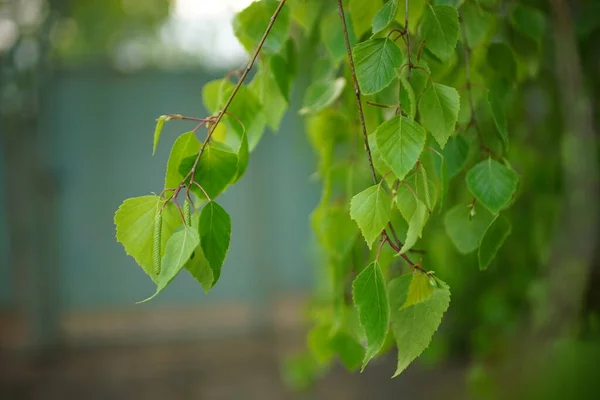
96	130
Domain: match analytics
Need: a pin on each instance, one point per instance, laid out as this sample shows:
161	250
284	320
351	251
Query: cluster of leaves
432	82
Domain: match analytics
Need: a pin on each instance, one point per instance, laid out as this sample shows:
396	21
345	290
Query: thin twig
357	92
407	37
469	87
380	246
236	88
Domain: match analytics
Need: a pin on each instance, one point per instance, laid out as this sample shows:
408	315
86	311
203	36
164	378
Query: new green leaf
370	297
493	184
376	62
215	233
414	326
439	106
178	251
160	121
420	289
371	211
494	238
440	30
135	221
400	142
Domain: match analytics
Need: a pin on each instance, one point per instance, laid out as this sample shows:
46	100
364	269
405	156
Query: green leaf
455	154
280	69
215	170
419	79
444	182
370	298
322	94
362	12
350	352
476	22
529	21
215	233
384	16
186	145
332	36
439	106
494	238
248	110
502	60
415	325
250	24
212	94
408	100
440	30
499	116
135	224
318	343
493	184
306	13
371	211
420	289
178	251
336	231
400	142
415	226
198	265
466	231
242	158
265	88
199	268
376	62
160	121
414	189
424	179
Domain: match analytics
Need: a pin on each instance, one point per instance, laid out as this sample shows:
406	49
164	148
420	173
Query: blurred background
81	83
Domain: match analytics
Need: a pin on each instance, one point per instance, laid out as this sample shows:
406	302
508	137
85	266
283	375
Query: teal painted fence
98	126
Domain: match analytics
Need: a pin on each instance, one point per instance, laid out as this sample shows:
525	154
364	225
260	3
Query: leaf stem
357	91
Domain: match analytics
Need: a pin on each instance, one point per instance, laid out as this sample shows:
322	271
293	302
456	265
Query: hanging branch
357	92
410	64
223	111
384	235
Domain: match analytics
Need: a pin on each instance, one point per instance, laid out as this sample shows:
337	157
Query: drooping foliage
407	111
